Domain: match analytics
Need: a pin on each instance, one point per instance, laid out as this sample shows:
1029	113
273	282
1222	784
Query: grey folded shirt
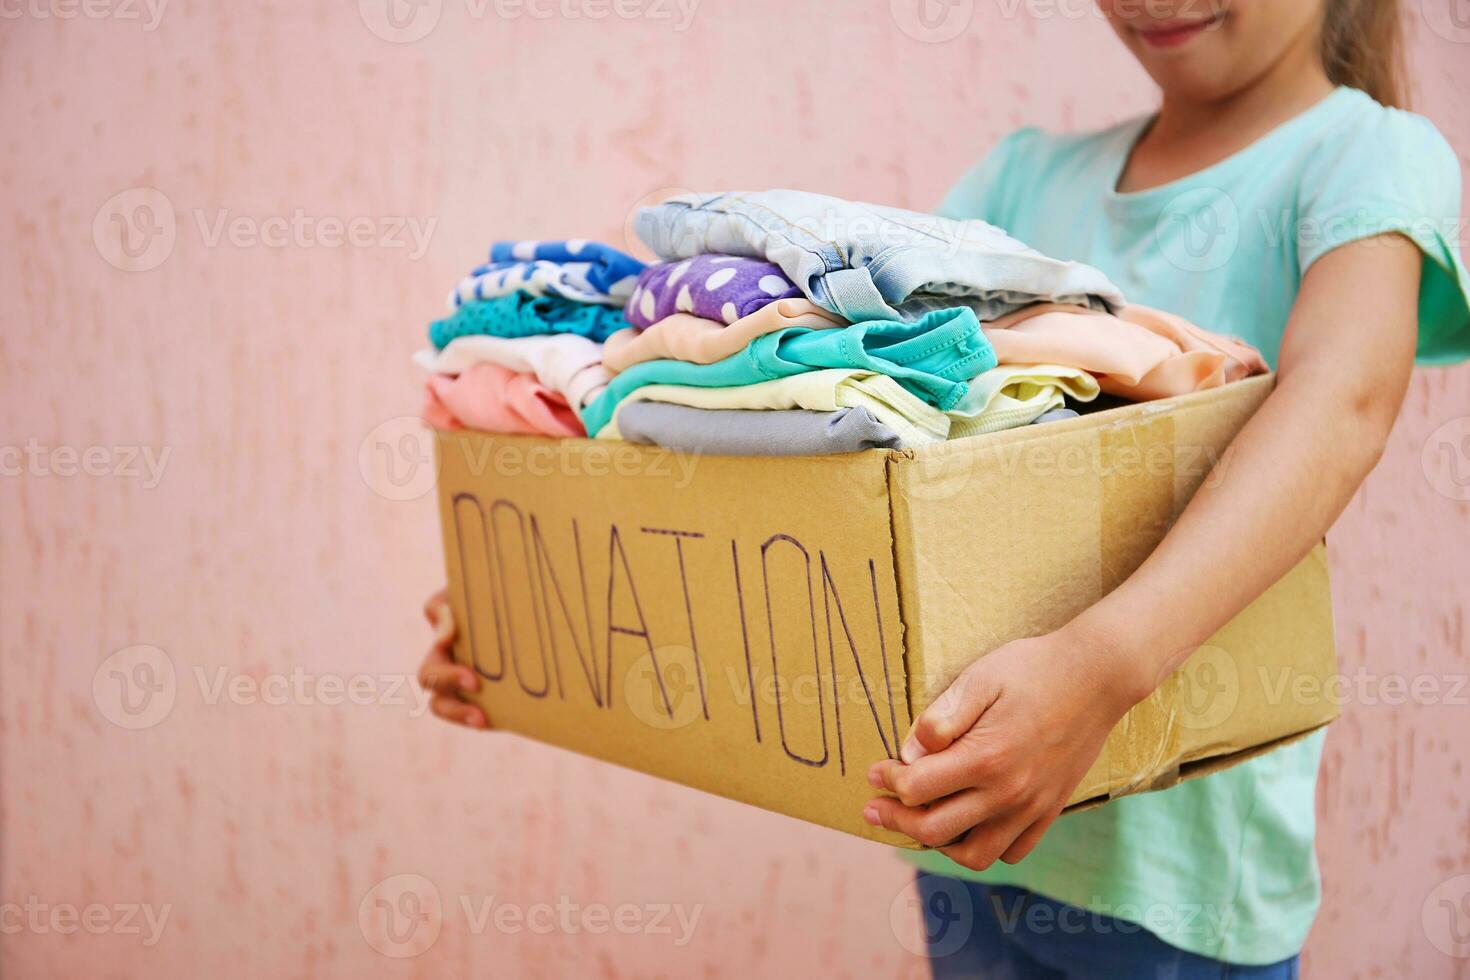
1055	415
754	432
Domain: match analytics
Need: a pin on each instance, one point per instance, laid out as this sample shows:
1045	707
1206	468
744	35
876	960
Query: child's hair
1363	47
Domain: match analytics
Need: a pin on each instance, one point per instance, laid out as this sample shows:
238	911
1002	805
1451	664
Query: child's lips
1175	33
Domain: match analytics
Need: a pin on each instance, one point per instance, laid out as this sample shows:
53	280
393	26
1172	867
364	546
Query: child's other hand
441	676
991	763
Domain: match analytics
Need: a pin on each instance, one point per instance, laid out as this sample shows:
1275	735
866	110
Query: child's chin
1192	75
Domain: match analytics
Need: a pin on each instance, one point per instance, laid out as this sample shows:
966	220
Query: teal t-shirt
932	357
1223	866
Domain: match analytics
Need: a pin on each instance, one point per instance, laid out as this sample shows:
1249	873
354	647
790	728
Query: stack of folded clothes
521	351
789	323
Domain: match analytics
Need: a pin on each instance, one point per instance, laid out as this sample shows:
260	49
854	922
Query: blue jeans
1001	933
868	262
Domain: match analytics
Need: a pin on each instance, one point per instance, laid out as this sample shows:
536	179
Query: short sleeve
1394	174
981	192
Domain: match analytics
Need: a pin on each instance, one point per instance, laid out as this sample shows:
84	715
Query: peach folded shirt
685	337
493	398
1140	354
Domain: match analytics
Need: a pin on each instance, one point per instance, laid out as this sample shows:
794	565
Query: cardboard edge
881	838
908	611
905	634
1194	401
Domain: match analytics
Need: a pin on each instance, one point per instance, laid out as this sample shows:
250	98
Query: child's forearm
1286	478
1288	474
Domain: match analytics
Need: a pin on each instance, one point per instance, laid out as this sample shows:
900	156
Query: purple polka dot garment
717	287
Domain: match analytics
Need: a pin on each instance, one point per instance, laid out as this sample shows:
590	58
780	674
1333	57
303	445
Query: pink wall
261	370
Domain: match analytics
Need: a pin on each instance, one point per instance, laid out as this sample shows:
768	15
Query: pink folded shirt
1140	354
496	399
685	337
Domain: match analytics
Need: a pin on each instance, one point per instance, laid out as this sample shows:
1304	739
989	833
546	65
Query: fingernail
470	683
875	778
870	814
912	751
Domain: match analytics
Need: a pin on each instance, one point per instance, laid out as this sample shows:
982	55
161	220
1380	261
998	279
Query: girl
1277	196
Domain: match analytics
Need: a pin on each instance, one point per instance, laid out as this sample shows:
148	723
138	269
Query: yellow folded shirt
914	421
1013	395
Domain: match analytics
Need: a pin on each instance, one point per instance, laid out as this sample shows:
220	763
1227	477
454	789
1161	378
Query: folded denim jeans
866	261
932	357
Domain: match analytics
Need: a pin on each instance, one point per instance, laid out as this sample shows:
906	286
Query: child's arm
1006	745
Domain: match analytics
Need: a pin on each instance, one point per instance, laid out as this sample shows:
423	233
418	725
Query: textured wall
259	355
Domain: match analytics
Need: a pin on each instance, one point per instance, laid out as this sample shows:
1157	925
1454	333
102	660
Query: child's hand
990	764
441	676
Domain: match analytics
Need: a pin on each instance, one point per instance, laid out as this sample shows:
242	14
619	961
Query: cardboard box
765	628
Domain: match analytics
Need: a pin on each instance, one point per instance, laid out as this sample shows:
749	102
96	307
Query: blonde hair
1363	47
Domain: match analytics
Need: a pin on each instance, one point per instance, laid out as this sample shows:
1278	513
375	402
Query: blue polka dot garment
576	269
